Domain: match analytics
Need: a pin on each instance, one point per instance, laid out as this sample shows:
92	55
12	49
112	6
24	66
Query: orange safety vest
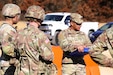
91	67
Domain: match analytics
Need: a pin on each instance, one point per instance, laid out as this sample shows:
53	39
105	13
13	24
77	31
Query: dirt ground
101	24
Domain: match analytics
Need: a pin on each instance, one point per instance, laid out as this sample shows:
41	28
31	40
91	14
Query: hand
81	48
108	62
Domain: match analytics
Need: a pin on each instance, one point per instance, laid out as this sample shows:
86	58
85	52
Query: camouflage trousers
73	69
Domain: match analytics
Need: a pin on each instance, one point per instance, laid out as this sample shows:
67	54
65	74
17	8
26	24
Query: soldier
102	45
11	13
72	40
34	46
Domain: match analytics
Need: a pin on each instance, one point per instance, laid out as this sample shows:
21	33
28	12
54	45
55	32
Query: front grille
43	28
48	33
46	30
44	24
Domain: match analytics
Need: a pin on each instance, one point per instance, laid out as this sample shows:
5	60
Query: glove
86	50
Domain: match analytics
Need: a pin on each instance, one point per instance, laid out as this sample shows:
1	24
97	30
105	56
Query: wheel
55	38
90	33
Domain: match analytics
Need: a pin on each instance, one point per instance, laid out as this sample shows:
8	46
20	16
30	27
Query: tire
55	38
89	33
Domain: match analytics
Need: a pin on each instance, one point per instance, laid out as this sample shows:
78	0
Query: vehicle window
67	20
104	27
54	17
111	25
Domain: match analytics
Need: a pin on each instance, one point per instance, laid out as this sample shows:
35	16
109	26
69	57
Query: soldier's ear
71	23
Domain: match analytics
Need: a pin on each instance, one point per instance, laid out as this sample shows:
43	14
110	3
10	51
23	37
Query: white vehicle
53	23
89	27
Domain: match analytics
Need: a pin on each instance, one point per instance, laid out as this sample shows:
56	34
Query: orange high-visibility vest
91	67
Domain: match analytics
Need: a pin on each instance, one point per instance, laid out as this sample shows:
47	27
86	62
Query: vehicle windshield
54	17
104	27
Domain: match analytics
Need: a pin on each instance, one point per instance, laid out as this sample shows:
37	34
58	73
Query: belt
45	61
69	63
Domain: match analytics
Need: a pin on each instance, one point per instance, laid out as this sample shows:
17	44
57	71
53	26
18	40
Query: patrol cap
35	12
10	10
75	17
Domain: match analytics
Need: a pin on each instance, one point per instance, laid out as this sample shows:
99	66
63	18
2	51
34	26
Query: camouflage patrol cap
76	18
10	10
35	12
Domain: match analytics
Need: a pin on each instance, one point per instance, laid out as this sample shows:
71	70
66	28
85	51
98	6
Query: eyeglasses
78	24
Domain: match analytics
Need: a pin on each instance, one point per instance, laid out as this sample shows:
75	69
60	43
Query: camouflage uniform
102	44
35	48
4	62
36	55
6	33
69	40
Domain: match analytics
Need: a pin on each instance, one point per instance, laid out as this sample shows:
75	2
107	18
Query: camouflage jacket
6	33
34	41
70	39
35	50
102	44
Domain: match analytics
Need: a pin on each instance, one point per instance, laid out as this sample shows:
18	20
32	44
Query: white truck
53	23
89	27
